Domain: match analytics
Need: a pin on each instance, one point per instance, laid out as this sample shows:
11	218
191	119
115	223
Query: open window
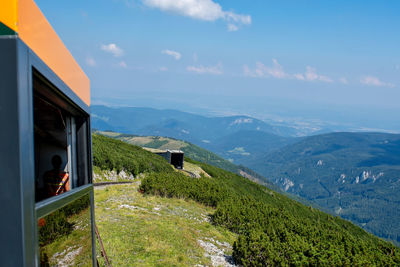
61	134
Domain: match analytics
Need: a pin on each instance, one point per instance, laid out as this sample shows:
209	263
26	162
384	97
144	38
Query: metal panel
26	150
11	226
18	228
62	91
49	205
16	156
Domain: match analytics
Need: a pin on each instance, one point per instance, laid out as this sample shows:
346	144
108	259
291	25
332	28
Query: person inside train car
56	180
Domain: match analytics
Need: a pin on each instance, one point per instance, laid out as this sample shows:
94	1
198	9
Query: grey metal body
18	225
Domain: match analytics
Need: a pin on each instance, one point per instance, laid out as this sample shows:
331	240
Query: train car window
62	138
52	170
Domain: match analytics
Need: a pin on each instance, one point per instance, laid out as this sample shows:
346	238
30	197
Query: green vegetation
194	169
110	154
142	230
191	151
354	175
271	228
274	229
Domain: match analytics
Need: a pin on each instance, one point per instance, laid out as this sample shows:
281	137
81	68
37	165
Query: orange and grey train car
46	190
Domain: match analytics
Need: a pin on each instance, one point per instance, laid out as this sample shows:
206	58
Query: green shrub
273	229
110	154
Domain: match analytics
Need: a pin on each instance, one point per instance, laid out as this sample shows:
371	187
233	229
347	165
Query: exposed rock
68	256
286	183
113	176
217	254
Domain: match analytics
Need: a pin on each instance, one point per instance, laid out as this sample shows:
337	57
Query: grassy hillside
191	151
110	154
355	175
139	230
271	228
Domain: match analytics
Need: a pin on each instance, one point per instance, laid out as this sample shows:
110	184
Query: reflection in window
61	134
51	154
65	236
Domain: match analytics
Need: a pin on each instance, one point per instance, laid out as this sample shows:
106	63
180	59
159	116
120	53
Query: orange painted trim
37	33
24	17
8	14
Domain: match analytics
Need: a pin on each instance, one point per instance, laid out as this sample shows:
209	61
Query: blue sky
326	60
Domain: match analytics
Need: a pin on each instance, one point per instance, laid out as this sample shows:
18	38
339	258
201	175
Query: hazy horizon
290	61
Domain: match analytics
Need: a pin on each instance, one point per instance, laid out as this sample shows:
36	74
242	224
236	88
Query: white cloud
206	10
261	70
113	49
195	57
215	70
299	76
243	19
397	67
171	53
90	61
277	71
312	75
232	27
123	64
375	81
162	68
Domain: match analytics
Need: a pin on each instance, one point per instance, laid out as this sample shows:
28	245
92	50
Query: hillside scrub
110	154
191	151
354	175
273	229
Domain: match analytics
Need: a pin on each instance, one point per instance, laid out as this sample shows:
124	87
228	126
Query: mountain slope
221	135
191	151
245	146
271	229
355	175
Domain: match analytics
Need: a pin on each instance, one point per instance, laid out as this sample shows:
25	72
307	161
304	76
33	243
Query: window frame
17	165
64	97
77	131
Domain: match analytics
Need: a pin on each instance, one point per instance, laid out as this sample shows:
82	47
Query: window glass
65	236
82	150
52	168
61	134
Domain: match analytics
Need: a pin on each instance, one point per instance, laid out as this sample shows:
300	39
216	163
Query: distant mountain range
355	175
240	139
